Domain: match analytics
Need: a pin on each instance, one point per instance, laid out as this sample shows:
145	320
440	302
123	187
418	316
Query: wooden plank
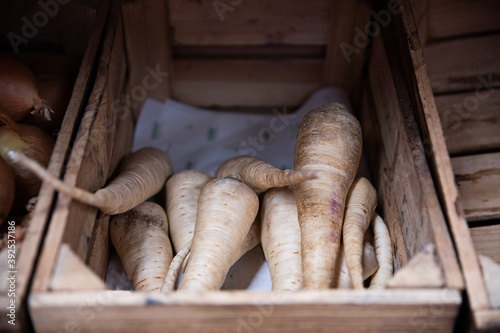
471	121
71	273
223	83
150	72
256	22
487	319
486	242
415	72
321	311
420	215
380	176
421	11
478	178
59	217
415	165
343	67
464	64
450	18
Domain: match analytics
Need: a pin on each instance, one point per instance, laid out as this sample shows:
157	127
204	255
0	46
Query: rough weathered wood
33	235
478	178
343	66
64	215
464	64
146	27
471	121
422	271
415	72
246	83
244	22
325	311
421	218
449	18
486	240
71	273
421	11
381	176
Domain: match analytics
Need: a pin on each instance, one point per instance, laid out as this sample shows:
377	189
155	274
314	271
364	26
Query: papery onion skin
33	142
55	75
7	190
18	90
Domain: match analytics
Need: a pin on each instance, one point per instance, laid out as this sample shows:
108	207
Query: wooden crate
256	56
62	28
455	61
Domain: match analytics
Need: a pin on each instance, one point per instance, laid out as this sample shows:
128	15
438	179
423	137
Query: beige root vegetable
369	262
361	203
328	142
183	189
140	237
383	249
259	175
226	210
142	175
281	238
175	268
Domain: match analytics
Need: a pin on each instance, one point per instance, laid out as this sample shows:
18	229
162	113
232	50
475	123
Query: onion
31	141
7	190
18	90
55	75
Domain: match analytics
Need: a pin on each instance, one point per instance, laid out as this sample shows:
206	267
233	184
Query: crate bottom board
239	311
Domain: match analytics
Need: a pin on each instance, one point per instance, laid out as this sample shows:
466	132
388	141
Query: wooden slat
416	77
61	215
421	218
421	11
486	241
487	319
256	22
471	121
459	65
147	41
398	57
381	178
246	83
324	311
34	234
478	178
448	18
343	67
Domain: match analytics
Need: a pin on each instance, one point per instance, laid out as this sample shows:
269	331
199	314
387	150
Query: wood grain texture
471	121
62	215
464	64
219	83
243	22
478	178
450	18
33	235
381	177
486	241
145	26
71	273
402	310
343	67
428	118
